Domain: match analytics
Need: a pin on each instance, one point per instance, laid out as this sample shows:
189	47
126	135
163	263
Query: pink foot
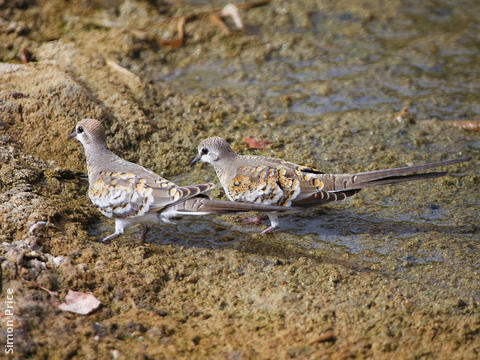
109	238
144	233
254	220
268	230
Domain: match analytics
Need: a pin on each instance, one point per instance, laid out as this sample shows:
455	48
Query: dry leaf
255	144
79	302
76	302
405	116
232	11
181	34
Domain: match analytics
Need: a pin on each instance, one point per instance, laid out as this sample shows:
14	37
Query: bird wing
271	181
275	182
124	194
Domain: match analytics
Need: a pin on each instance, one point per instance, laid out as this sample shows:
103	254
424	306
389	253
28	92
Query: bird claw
144	233
106	240
109	238
166	220
268	230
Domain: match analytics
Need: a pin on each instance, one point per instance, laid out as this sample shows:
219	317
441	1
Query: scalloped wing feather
123	194
274	183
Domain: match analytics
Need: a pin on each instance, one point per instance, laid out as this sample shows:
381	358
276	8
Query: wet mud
392	273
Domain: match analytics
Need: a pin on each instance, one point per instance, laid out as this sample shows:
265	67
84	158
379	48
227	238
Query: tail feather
188	192
201	205
193	190
342	182
323	197
398	179
380	174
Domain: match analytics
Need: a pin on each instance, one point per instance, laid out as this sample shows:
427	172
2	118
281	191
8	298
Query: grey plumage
270	181
132	194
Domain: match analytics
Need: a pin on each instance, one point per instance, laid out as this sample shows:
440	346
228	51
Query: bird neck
225	169
98	158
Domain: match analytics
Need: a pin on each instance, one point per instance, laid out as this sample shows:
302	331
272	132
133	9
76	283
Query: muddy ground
392	273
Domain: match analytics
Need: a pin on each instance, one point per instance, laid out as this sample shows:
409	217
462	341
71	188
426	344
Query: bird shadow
322	235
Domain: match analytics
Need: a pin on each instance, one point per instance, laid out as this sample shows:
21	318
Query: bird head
212	150
89	132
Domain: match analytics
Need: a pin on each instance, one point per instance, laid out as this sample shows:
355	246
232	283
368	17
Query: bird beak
72	135
195	160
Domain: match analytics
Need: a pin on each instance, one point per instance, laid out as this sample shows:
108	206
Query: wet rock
52	93
56	261
9	269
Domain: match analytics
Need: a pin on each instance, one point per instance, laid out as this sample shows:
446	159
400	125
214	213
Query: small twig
132	80
53	294
217	20
213	14
242	6
328	336
252	4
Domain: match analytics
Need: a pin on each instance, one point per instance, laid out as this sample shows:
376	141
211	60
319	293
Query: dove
275	182
131	194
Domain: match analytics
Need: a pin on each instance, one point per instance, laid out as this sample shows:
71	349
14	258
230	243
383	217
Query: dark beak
72	135
195	160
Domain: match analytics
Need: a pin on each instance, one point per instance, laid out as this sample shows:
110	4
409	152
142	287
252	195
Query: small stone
82	267
57	260
115	354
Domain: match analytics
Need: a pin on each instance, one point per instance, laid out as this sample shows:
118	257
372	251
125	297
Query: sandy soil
224	291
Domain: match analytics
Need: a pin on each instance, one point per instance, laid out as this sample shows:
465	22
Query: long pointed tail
342	182
202	205
398	179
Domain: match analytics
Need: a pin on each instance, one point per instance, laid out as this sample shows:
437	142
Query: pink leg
268	230
144	233
253	220
273	224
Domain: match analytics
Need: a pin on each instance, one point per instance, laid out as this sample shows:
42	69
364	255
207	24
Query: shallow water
426	54
391	273
350	70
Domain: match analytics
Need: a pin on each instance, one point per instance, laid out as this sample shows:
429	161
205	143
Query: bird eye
205	151
80	130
